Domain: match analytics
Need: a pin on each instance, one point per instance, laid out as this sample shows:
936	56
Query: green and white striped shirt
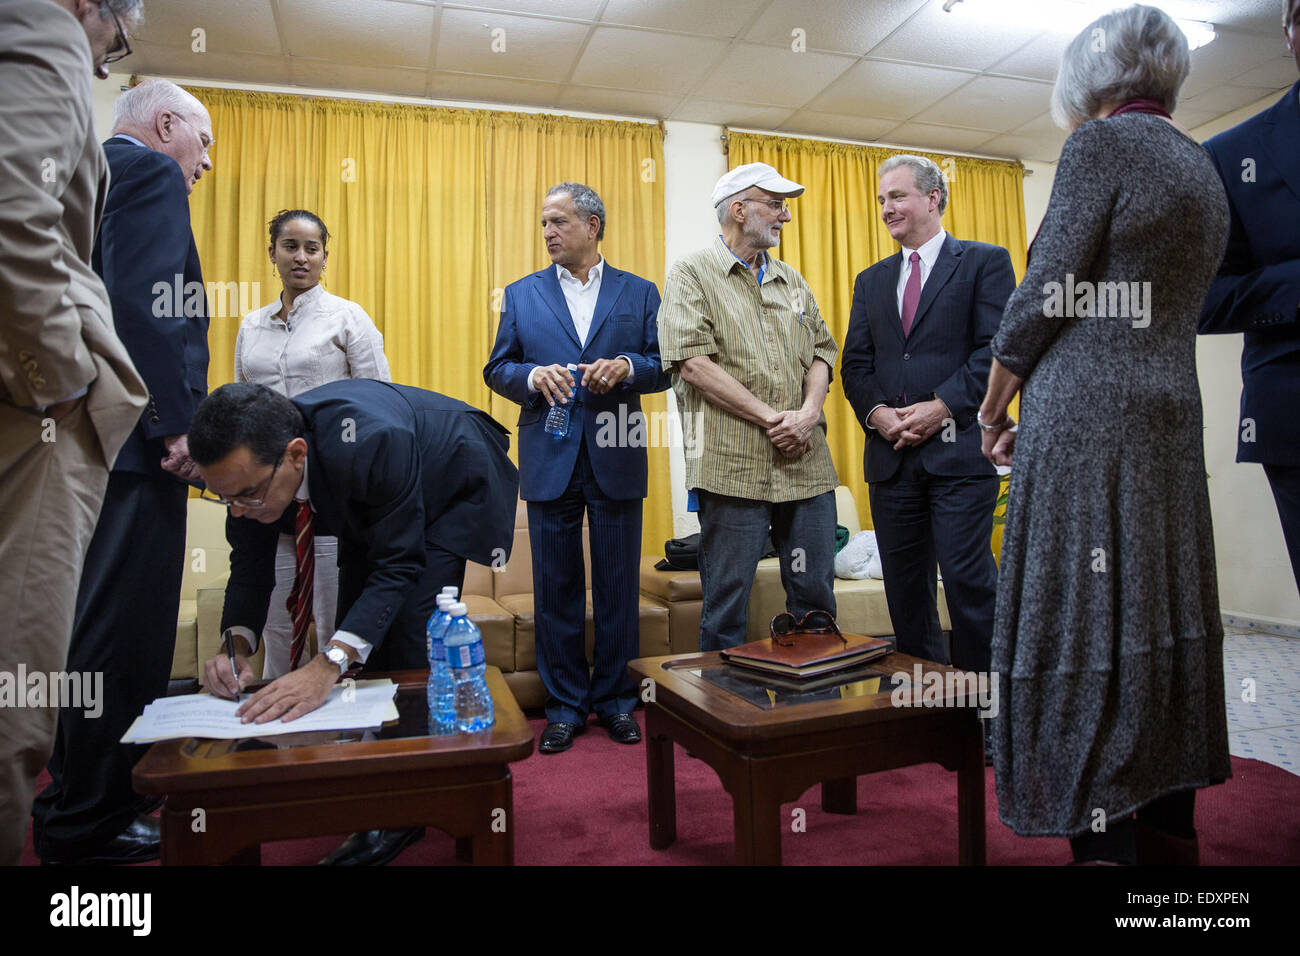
766	337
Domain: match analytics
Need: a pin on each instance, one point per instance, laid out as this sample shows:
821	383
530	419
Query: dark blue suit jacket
536	329
144	250
945	355
1257	290
390	470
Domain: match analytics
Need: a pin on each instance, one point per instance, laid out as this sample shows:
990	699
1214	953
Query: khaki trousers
52	482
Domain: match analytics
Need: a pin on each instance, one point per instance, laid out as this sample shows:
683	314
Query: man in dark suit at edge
129	595
916	362
1257	290
412	483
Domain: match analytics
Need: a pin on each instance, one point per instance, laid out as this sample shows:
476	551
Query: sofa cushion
670	586
185	658
497	625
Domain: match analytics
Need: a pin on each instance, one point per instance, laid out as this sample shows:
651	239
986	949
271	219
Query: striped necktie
299	603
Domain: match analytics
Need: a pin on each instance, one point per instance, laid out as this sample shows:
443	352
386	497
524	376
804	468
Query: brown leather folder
808	654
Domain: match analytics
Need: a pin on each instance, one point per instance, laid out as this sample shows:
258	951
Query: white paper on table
368	704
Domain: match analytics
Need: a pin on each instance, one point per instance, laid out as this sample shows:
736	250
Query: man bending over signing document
411	482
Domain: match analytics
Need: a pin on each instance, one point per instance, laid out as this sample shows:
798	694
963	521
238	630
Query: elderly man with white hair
125	624
751	359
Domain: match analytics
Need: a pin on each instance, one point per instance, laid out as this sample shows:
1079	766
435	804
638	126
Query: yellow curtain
432	212
836	232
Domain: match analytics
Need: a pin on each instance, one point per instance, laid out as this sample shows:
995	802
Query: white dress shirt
581	298
323	339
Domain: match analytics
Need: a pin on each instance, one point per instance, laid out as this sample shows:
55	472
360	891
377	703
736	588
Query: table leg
758	828
840	796
661	784
495	844
464	849
970	801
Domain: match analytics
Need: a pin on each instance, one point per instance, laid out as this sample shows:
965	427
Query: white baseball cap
754	174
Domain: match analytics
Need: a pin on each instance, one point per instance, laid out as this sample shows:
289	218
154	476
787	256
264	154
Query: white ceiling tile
847	26
762	74
173	61
238	26
1039	58
990	102
967	37
1190	119
492	89
1230	54
365	34
330	75
731	114
888	90
580	9
1041	125
655	62
1225	99
937	138
864	128
594	99
1032	148
529	48
1259	16
716	18
1277	74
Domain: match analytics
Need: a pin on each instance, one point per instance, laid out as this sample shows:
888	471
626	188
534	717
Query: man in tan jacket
69	395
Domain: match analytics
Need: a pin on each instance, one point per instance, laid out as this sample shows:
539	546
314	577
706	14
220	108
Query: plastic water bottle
464	646
557	420
441	693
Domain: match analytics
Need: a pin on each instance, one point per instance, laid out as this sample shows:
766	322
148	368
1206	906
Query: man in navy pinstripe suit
581	311
916	362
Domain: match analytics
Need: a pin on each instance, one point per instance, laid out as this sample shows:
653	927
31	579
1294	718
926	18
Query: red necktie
911	293
299	603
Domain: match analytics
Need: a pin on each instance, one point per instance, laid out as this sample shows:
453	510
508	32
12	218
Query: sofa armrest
211	600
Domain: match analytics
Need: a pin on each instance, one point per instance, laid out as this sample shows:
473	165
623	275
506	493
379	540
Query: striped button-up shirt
766	336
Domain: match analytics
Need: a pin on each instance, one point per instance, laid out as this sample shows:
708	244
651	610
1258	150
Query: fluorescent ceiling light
1063	16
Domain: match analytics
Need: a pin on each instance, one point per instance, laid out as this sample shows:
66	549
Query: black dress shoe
373	847
622	728
558	736
138	843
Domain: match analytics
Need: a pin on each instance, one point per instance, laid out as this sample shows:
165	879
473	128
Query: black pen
228	638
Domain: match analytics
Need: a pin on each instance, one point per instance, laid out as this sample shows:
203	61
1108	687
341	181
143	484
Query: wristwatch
336	655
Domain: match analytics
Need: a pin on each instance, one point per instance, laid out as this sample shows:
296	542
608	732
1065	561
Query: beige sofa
860	604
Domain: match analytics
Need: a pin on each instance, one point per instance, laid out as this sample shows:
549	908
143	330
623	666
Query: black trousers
125	629
1173	813
403	647
922	519
1285	482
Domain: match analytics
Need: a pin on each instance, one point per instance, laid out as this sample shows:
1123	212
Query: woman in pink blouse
305	338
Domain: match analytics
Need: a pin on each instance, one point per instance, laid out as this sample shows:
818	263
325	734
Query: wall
1255	580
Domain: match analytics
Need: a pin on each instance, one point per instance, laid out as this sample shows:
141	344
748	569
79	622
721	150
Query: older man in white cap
751	360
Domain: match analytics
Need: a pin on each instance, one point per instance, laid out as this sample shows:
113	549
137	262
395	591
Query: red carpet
588	806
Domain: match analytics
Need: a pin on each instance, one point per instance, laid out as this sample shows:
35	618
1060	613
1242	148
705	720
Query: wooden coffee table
224	798
769	744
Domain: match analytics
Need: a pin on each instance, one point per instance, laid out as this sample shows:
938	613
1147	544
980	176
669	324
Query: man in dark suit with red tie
916	362
412	483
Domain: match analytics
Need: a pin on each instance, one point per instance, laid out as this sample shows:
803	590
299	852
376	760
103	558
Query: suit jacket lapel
1284	141
611	287
888	291
548	285
943	269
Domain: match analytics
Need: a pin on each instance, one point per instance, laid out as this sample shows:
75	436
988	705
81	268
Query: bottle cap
445	601
458	609
451	589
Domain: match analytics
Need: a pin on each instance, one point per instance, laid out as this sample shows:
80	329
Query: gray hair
139	105
1135	52
585	202
925	172
130	12
723	209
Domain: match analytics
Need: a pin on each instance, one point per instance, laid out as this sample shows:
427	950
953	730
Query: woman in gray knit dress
1107	637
